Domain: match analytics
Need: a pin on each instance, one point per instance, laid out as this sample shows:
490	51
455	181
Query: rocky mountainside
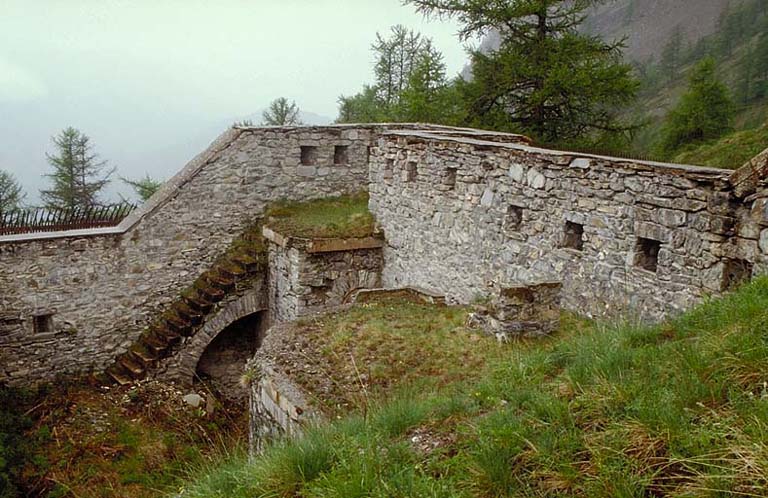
648	24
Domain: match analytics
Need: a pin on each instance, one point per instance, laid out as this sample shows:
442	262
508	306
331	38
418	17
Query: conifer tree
11	194
144	187
281	112
704	112
78	175
547	79
411	84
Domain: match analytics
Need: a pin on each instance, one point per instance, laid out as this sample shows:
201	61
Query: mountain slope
647	25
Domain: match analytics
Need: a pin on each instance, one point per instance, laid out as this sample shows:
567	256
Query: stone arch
348	283
250	304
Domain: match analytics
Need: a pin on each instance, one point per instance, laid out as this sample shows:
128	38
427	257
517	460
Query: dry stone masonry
463	217
465	214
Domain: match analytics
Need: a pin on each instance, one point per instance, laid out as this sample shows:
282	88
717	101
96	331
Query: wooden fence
53	220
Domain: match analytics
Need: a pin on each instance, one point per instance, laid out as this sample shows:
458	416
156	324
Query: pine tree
428	96
11	194
78	175
410	84
704	112
282	113
396	58
547	79
144	187
363	107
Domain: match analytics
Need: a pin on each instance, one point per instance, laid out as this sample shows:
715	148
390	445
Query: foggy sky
152	82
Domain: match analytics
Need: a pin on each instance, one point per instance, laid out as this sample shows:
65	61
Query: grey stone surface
466	241
101	288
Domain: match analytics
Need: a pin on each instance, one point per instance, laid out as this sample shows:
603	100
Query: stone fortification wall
71	302
465	217
312	276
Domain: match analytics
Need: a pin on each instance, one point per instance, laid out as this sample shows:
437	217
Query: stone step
177	324
199	303
232	270
212	294
156	346
119	375
222	282
134	368
248	261
189	314
143	355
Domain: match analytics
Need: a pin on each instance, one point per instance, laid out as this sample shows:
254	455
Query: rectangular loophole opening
647	254
341	154
411	171
513	218
450	178
574	236
735	273
43	324
308	155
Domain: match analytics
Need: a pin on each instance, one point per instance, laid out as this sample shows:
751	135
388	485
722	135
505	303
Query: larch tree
704	112
144	187
410	83
11	193
546	79
281	112
79	176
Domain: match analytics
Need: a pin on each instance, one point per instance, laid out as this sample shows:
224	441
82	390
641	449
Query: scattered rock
194	400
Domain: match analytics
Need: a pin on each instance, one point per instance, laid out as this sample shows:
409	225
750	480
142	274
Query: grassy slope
345	216
731	151
680	409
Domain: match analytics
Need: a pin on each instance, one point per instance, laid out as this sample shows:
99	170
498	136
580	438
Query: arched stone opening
223	361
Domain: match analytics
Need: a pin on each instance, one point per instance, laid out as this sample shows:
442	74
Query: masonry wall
102	290
464	217
302	283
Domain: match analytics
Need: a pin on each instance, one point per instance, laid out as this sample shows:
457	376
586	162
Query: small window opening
647	254
308	155
574	236
389	165
341	154
412	171
513	219
735	273
43	324
450	178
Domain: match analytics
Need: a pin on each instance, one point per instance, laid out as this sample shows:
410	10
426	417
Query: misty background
153	82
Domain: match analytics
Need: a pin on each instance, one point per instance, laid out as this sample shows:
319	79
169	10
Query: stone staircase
232	272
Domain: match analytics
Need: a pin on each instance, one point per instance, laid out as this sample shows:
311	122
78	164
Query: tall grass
679	409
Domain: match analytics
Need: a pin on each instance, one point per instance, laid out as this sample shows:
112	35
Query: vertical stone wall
464	216
72	302
304	280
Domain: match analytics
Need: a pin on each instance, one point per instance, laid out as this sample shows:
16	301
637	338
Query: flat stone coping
314	246
687	170
427	296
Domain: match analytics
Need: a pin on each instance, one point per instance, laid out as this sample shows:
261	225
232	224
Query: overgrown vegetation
678	409
739	49
78	440
331	217
731	152
349	359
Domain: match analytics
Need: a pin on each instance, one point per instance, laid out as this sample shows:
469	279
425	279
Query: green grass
360	354
335	217
731	151
679	409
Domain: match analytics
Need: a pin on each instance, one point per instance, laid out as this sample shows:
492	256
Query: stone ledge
314	246
417	293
